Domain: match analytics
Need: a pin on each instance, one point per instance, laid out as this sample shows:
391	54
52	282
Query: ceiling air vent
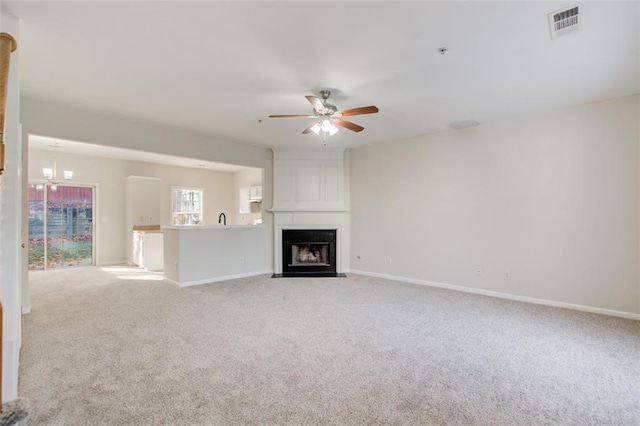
564	21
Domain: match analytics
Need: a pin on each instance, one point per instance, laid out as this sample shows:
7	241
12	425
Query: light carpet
118	346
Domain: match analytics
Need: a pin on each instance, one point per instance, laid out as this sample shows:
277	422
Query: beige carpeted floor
120	347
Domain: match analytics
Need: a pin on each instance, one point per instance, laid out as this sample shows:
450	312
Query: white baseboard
217	279
501	295
117	262
169	280
26	310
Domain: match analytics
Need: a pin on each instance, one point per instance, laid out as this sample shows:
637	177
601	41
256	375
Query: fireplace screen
309	254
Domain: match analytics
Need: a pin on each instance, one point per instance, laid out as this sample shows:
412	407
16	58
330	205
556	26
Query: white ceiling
220	67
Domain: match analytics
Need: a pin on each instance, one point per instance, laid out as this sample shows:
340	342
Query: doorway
61	231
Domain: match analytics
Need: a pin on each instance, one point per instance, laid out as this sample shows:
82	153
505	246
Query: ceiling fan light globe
68	174
333	130
326	125
48	173
316	128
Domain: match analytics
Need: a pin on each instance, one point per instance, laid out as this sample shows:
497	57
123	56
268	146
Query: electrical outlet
506	275
389	260
241	259
478	271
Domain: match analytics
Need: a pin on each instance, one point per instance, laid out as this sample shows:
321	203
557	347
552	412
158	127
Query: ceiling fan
327	115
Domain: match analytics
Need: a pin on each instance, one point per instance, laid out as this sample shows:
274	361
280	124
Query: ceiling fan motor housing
329	110
324	94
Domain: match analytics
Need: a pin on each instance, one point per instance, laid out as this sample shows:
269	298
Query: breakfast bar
195	255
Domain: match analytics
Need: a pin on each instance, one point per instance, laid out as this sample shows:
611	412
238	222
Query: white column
11	223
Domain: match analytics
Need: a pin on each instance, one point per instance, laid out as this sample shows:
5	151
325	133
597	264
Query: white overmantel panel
308	180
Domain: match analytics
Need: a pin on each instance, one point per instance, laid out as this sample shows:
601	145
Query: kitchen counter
202	254
200	227
147	228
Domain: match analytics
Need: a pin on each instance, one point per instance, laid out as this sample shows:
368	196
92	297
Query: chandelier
51	174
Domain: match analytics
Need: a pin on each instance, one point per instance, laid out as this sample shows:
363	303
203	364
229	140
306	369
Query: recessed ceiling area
221	68
44	143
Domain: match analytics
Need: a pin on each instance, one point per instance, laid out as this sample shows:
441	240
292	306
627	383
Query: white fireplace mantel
309	193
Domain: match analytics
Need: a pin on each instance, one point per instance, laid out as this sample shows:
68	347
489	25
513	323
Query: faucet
222	216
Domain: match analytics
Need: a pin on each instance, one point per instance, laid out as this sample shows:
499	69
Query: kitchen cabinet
148	250
255	194
142	195
250	200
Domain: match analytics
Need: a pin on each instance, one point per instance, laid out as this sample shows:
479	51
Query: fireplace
309	252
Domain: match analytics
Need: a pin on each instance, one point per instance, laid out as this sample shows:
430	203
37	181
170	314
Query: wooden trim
14	43
7	45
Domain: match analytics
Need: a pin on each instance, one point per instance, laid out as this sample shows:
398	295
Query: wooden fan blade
316	103
348	125
292	116
359	111
308	129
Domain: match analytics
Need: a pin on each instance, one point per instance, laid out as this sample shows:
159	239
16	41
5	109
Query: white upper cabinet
255	194
250	199
142	206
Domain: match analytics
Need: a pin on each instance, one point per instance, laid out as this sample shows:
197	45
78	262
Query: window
186	206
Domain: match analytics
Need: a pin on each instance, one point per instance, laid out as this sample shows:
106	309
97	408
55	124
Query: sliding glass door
60	226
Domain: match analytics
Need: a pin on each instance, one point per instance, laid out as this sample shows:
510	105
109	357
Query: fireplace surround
309	252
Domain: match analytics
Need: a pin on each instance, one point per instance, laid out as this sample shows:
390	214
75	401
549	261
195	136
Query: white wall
552	198
109	175
218	188
78	124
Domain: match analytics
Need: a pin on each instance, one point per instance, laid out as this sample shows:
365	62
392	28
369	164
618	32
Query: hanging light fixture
329	127
51	174
326	126
316	128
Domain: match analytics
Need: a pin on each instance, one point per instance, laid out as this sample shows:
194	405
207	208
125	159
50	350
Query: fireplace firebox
309	252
